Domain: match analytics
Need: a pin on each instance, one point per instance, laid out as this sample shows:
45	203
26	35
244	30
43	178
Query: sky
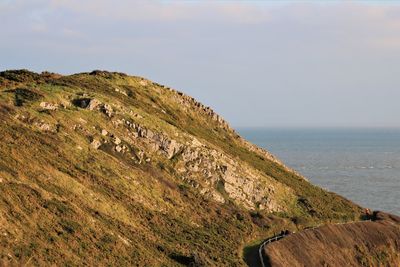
257	63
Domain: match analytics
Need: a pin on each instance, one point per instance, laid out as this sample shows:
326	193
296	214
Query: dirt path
254	256
266	242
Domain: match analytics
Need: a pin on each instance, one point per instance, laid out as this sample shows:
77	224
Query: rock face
209	170
190	103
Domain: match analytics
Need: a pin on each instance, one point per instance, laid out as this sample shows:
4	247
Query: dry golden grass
64	203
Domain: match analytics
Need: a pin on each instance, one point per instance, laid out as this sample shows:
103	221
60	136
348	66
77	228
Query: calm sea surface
362	165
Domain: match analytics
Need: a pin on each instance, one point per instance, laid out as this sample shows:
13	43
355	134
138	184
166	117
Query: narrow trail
269	240
280	236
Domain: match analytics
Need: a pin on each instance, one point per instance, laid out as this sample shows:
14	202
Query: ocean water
362	165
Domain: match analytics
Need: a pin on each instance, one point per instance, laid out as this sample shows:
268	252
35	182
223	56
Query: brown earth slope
368	243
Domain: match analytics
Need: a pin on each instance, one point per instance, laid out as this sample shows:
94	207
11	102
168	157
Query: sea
362	165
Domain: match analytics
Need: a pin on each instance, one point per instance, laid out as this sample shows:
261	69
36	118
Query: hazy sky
308	64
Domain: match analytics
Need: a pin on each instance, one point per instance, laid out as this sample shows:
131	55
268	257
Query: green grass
65	203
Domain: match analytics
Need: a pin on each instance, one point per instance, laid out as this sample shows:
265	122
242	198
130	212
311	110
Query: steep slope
369	243
103	168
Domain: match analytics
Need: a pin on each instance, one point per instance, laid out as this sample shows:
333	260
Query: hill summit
103	168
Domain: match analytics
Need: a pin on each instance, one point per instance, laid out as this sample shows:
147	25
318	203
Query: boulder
172	148
93	104
108	110
95	144
117	141
65	104
89	103
120	91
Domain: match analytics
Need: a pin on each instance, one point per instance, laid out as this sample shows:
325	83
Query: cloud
164	10
309	55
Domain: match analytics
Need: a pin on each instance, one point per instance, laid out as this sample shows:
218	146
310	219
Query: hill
103	168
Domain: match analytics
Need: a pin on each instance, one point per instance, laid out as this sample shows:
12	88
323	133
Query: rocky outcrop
189	103
93	104
216	174
157	141
209	169
45	127
49	106
39	124
95	144
107	109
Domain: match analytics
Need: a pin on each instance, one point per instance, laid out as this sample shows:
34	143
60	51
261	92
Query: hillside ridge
104	162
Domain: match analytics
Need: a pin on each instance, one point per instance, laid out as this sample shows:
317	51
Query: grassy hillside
103	168
368	243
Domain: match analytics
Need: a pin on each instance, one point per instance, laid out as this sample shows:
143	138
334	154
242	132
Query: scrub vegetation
103	168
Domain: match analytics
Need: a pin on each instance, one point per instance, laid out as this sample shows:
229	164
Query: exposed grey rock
95	144
117	122
117	141
171	147
49	106
82	102
104	132
120	91
94	104
108	110
203	167
190	103
65	104
45	127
